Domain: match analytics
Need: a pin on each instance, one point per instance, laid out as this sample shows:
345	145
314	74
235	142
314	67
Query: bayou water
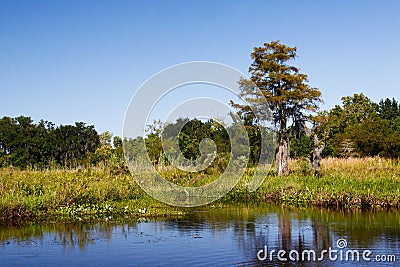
237	235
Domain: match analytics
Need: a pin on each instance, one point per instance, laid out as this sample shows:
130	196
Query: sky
68	61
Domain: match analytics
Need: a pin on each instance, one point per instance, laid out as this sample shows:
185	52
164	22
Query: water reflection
227	236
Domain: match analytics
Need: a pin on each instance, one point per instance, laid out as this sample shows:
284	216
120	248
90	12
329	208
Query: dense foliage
361	127
26	144
188	135
358	127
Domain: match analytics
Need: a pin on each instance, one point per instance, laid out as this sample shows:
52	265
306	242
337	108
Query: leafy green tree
74	143
25	144
134	150
392	145
360	127
300	147
153	147
8	132
105	138
110	157
394	124
286	91
117	143
116	161
369	137
337	128
104	153
389	109
358	108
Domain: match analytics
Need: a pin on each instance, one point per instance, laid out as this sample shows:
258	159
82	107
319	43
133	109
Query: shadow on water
232	235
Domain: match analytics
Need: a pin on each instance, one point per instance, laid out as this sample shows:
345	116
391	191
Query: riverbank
74	195
92	194
369	183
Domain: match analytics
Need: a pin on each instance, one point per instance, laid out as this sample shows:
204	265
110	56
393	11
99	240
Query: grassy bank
71	195
344	183
76	195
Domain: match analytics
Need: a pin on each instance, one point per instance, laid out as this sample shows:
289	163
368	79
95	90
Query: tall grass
94	194
71	194
343	183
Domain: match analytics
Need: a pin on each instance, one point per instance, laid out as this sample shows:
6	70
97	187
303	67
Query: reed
88	194
343	183
93	194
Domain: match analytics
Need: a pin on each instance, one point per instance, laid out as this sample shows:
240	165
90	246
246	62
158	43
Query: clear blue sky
68	61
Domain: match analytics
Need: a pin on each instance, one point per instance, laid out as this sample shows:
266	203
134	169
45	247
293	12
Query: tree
338	128
74	143
369	137
8	138
110	157
358	108
24	143
389	109
286	91
251	124
118	146
105	138
104	153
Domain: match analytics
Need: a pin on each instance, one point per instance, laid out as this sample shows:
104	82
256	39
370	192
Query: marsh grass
343	183
92	194
73	195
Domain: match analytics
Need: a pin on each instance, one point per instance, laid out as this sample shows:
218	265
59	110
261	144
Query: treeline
360	127
189	134
181	140
26	144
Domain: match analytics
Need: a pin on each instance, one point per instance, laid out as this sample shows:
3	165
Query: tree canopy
24	144
361	127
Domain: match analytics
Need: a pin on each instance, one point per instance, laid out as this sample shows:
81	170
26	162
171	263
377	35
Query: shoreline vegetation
93	194
71	173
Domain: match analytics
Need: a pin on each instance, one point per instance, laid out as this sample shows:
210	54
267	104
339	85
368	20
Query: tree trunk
316	155
282	157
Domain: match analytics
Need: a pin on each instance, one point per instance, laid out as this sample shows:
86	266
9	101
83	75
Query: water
229	236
